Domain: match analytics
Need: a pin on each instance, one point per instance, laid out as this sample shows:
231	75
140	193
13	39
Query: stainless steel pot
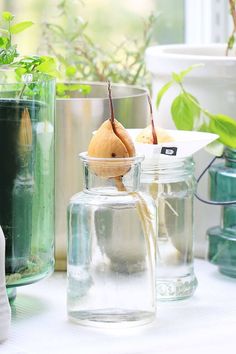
76	119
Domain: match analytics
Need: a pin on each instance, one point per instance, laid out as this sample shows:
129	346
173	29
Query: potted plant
201	98
26	158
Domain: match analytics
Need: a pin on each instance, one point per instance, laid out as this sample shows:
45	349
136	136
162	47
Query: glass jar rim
86	158
166	161
36	77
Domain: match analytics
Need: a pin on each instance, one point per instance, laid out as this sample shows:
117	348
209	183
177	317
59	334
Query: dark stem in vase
154	135
112	118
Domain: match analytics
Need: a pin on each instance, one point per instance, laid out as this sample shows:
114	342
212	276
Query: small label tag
170	151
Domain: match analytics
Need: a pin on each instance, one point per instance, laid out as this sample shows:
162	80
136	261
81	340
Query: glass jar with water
170	182
27	110
111	246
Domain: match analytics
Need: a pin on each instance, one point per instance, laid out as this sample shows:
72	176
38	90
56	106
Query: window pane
170	25
109	21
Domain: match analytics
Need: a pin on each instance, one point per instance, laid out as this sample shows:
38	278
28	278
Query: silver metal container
76	119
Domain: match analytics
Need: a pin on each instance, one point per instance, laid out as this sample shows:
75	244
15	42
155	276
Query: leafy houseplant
26	158
188	114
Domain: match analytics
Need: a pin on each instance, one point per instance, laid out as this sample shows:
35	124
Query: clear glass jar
111	247
222	238
171	184
27	109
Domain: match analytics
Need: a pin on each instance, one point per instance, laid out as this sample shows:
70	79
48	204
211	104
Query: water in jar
110	262
175	277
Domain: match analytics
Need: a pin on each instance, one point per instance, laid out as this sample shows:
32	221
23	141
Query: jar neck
111	176
230	157
168	169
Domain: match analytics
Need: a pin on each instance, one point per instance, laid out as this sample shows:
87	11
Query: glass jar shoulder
222	170
169	186
131	199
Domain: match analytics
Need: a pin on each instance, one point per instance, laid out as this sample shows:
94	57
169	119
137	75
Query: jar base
111	318
222	250
229	272
11	294
18	279
176	288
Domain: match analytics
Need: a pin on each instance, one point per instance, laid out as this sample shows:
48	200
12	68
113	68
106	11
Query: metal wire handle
207	201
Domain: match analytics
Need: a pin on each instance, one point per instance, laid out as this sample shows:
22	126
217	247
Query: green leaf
48	66
7	16
21	26
4	42
176	77
231	42
70	71
4	31
8	55
225	127
20	71
162	91
61	89
64	90
184	111
185	72
204	128
84	89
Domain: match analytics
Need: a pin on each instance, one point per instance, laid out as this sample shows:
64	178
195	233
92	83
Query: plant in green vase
26	106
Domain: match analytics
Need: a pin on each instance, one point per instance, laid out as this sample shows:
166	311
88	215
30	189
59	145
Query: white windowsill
203	324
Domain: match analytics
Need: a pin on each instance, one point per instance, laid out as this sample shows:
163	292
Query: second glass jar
171	183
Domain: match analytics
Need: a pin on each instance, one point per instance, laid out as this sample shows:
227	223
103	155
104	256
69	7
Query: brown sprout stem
112	118
154	135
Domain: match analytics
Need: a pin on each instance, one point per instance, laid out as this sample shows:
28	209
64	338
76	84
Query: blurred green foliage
81	58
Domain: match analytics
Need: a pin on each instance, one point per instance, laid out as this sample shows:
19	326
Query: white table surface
206	323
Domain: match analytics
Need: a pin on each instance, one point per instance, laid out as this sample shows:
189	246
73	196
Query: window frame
206	21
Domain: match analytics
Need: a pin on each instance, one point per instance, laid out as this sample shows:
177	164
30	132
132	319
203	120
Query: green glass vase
27	175
222	238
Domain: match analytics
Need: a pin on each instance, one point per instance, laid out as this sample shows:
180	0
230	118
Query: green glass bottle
222	238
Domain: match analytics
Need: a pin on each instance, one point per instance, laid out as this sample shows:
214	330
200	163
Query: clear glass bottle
222	238
171	184
111	247
27	109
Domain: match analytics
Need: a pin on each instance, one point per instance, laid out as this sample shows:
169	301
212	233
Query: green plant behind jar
81	59
24	66
188	114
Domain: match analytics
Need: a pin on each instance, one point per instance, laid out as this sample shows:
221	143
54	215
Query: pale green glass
222	238
27	175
